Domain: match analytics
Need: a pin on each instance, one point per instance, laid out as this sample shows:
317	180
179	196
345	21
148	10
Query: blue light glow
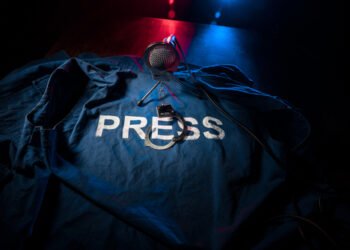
231	3
228	1
222	45
217	14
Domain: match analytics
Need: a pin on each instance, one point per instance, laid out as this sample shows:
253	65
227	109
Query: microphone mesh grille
163	57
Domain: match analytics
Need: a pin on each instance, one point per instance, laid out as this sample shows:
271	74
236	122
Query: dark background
303	43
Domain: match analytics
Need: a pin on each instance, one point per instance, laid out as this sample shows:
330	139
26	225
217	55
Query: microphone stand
139	103
160	75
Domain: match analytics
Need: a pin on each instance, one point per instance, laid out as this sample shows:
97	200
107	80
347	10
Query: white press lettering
211	122
101	124
137	127
195	131
156	126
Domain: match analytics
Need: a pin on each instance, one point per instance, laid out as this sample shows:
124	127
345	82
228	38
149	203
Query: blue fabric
75	173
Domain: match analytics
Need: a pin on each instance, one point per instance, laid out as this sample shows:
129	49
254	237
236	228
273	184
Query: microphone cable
243	127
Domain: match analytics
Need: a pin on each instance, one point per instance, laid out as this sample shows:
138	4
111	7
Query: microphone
162	58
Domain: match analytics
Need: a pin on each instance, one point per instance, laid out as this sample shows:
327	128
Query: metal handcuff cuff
166	110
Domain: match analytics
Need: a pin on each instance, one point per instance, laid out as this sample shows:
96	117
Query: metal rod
139	103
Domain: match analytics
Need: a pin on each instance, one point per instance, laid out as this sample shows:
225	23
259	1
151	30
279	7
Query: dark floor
292	49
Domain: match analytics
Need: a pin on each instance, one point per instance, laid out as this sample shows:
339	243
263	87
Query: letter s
195	131
211	122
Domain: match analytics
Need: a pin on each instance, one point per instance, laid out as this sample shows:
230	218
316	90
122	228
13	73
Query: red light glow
171	14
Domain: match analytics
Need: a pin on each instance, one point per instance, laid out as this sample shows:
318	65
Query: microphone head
162	57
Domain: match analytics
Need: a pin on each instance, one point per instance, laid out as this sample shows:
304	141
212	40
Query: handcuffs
166	110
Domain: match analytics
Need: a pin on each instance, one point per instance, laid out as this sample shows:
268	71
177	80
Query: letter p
115	121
